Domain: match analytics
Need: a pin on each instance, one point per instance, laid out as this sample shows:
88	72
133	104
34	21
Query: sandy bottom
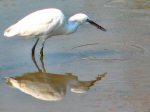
123	52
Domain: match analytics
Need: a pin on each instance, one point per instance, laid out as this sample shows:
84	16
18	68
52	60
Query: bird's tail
11	31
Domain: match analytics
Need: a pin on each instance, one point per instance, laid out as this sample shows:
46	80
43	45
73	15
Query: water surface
123	52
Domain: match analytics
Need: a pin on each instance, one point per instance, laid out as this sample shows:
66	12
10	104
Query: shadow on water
50	86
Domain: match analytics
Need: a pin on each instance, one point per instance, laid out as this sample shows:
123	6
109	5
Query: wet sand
123	52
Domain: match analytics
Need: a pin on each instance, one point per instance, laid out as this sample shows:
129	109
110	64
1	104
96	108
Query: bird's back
37	23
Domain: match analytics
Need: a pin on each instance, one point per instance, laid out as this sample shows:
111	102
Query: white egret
45	23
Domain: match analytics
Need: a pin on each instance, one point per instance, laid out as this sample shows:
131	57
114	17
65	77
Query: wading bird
46	23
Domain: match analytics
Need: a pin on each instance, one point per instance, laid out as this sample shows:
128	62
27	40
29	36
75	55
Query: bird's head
82	18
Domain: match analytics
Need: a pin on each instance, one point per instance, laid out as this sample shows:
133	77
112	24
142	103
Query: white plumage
38	23
46	23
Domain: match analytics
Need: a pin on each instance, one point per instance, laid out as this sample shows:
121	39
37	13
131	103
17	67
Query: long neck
71	26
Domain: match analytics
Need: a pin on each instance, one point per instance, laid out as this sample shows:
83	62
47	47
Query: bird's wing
37	23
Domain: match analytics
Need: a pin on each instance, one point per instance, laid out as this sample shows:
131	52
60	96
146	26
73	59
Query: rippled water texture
73	62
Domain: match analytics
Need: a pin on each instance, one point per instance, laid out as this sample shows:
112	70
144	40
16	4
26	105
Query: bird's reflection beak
95	24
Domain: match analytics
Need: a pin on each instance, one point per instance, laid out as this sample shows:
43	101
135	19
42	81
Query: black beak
95	24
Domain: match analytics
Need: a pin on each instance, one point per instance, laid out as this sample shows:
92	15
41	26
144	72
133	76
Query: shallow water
123	52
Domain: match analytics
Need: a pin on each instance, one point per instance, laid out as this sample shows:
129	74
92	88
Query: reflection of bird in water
48	86
46	23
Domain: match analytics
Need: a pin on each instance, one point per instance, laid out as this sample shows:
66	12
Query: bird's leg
41	56
33	56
